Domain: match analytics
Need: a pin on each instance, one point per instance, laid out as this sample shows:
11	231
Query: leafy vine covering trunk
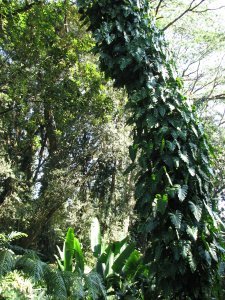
177	222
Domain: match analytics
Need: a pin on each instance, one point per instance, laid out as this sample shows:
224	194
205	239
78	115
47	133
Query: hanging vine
177	224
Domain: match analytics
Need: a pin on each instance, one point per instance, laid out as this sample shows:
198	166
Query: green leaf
120	261
132	264
184	157
162	202
162	110
61	253
194	130
60	264
171	145
185	248
191	171
124	62
212	251
133	152
109	264
196	210
176	219
192	232
211	213
182	192
118	245
79	257
15	235
69	250
192	262
151	121
168	176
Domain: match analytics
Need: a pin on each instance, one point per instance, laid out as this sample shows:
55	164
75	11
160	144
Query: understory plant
39	279
178	226
118	268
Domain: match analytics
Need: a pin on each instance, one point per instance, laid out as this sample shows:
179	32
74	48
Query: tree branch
208	9
189	9
158	7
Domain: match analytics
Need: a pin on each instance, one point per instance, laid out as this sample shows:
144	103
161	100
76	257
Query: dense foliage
118	270
67	116
177	224
64	144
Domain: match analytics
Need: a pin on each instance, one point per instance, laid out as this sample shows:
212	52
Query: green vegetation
99	141
177	221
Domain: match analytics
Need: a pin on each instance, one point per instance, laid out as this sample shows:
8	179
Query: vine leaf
191	171
192	232
192	262
196	210
182	192
212	251
184	157
185	248
176	219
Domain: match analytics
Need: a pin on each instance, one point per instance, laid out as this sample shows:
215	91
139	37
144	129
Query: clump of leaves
15	286
178	227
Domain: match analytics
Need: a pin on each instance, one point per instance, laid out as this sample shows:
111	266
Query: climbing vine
177	224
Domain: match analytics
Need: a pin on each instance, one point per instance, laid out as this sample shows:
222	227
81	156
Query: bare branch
197	76
215	97
222	121
202	56
189	9
208	9
158	7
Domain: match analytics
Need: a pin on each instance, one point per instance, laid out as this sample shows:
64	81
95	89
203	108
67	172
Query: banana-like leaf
122	258
109	264
69	250
95	237
132	264
60	264
79	257
61	253
117	247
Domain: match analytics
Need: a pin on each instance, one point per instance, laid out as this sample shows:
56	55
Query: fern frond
15	235
76	285
94	285
55	283
7	261
31	264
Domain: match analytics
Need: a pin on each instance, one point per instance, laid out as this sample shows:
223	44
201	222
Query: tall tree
55	108
177	222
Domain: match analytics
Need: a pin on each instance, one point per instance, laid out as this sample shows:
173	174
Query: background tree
58	114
